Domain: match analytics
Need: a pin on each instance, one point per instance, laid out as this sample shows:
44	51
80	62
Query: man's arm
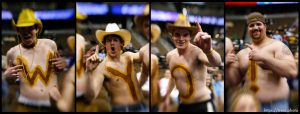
211	58
65	103
94	82
283	63
233	76
12	71
154	67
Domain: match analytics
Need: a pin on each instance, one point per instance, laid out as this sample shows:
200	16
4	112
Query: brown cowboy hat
113	28
182	23
138	20
26	19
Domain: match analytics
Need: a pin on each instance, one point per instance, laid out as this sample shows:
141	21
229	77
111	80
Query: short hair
113	35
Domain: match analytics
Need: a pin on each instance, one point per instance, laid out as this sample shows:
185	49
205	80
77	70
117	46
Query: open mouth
27	37
255	32
113	49
181	43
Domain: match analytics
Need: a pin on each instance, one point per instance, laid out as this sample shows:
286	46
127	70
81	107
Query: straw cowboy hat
155	32
182	23
71	42
27	19
138	20
113	28
80	16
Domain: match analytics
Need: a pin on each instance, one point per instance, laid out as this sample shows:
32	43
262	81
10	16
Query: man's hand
255	54
12	72
230	58
202	39
93	61
58	62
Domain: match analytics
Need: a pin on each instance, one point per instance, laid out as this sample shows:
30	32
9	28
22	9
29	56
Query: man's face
28	35
146	27
181	38
113	45
218	77
257	30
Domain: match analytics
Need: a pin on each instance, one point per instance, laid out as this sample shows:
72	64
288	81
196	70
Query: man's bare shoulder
171	53
196	49
275	44
47	41
243	52
12	50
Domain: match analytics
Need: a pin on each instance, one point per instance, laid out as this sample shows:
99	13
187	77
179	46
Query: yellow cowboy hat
26	19
71	42
182	23
138	20
113	28
80	16
155	32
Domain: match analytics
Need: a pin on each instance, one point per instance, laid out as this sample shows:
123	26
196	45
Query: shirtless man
33	63
265	66
115	72
188	64
143	23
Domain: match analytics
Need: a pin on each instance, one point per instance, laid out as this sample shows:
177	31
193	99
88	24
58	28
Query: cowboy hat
80	16
155	32
182	23
71	42
138	20
113	28
27	19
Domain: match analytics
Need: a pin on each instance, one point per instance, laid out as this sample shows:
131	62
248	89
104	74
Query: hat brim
155	32
124	34
138	21
172	27
79	16
28	24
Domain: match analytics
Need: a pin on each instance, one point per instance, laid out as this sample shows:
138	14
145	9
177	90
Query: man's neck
261	42
115	58
31	46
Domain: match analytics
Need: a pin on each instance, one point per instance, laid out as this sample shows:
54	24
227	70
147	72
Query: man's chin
31	45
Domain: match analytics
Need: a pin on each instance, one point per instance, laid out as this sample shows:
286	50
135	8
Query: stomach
271	86
199	93
37	94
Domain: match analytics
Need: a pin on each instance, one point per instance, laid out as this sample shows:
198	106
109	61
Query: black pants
197	107
154	108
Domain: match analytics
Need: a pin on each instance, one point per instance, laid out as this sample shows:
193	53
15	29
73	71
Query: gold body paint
127	78
79	65
154	87
37	72
190	80
252	70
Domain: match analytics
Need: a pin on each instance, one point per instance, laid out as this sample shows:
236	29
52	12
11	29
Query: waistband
197	103
130	107
34	103
275	101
